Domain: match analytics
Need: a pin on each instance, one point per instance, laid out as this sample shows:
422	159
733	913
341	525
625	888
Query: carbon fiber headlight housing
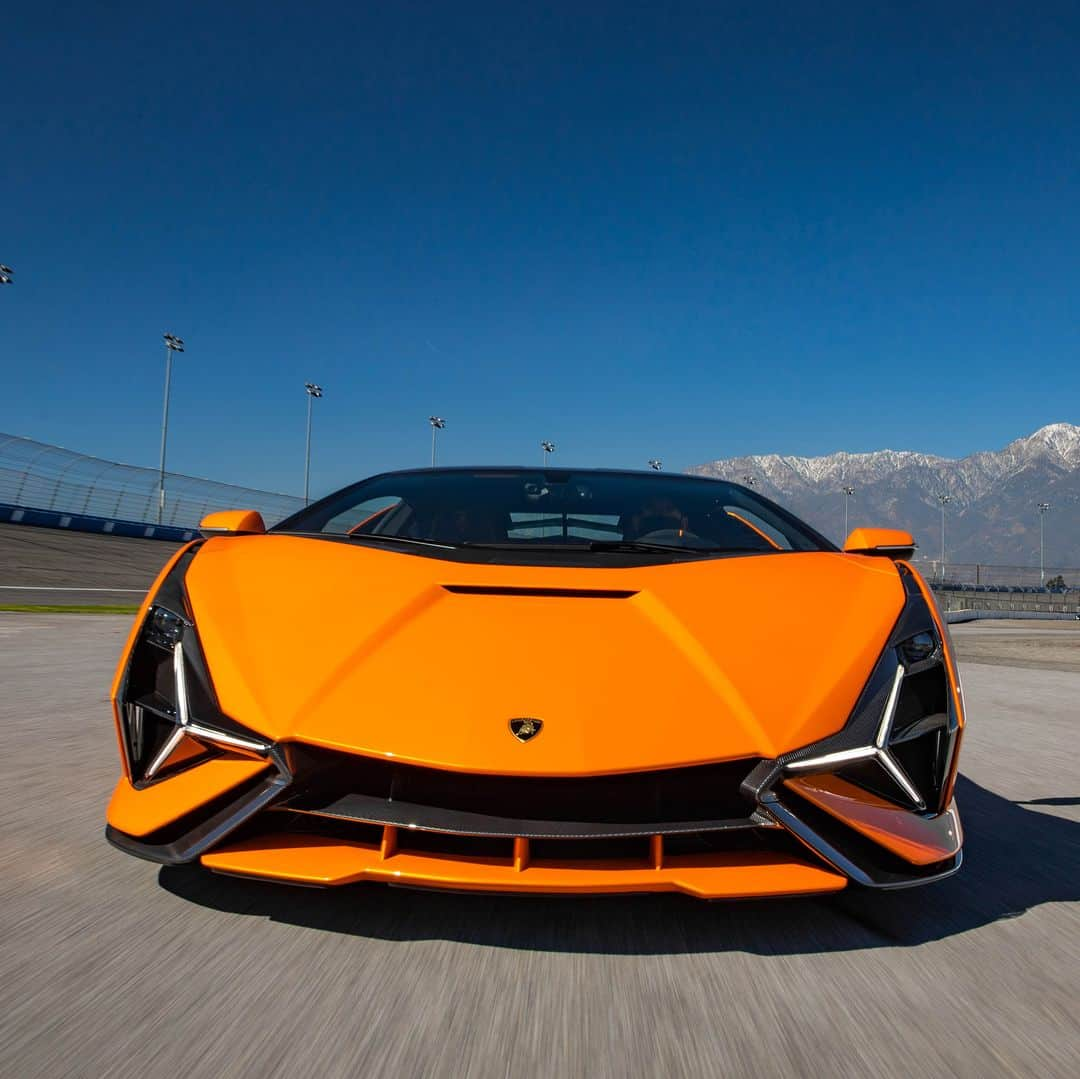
901	738
169	715
877	795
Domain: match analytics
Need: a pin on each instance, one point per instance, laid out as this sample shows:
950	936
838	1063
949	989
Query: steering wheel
674	537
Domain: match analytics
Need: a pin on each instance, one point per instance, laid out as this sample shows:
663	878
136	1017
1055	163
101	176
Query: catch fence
979	576
39	476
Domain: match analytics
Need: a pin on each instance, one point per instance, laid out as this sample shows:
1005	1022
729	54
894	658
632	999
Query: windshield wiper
604	545
665	548
524	545
383	537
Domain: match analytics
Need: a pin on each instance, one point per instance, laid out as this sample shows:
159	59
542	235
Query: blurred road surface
112	966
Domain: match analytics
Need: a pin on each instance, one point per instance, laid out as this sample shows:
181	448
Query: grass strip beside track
68	608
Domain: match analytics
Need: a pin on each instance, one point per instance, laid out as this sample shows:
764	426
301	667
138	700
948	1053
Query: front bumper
776	834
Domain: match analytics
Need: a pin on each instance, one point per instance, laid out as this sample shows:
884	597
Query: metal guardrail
1008	602
965	614
53	480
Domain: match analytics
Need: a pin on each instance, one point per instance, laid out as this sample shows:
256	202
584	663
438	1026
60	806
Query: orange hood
367	650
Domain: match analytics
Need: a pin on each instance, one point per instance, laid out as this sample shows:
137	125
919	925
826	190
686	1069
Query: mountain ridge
993	494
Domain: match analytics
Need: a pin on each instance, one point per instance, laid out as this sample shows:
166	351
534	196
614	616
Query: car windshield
545	510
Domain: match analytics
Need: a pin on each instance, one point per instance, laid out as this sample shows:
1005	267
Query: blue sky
679	230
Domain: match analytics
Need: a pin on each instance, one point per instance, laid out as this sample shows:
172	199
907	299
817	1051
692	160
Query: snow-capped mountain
994	495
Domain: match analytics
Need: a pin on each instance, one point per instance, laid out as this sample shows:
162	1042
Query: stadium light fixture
1044	509
548	448
172	344
655	464
313	390
749	481
437	424
7	275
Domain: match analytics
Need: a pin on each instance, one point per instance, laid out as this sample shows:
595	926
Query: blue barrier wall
79	522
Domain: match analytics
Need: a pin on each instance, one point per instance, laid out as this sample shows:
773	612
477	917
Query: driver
656	515
468	526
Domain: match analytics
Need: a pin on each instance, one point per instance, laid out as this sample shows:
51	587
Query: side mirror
886	542
236	521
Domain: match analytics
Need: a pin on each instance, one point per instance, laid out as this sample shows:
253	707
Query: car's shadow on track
1014	859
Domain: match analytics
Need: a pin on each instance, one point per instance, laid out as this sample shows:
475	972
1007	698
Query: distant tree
1056	584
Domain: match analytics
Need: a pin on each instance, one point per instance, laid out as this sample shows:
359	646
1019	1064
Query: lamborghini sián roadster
541	681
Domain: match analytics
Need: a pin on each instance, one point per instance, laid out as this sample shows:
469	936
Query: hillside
992	516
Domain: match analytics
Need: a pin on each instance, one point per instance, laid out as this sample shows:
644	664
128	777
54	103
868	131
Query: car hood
427	660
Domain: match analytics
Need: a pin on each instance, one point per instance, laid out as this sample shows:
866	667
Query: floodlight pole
437	424
944	499
313	390
848	492
548	448
172	344
1043	508
307	451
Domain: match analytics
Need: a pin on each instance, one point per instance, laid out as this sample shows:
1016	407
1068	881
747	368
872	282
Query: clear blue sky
685	230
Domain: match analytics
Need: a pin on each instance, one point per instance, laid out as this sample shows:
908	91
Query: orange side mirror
887	542
214	524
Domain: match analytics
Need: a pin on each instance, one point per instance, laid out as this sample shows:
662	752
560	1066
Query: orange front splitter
314	860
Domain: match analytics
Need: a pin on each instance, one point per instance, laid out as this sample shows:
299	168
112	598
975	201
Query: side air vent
563	593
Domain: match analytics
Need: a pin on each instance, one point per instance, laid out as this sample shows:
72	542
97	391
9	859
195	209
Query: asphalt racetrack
49	566
113	966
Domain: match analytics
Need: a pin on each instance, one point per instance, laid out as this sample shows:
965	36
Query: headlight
164	628
918	648
169	714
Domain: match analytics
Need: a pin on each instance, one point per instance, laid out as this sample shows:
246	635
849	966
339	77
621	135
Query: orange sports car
541	681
